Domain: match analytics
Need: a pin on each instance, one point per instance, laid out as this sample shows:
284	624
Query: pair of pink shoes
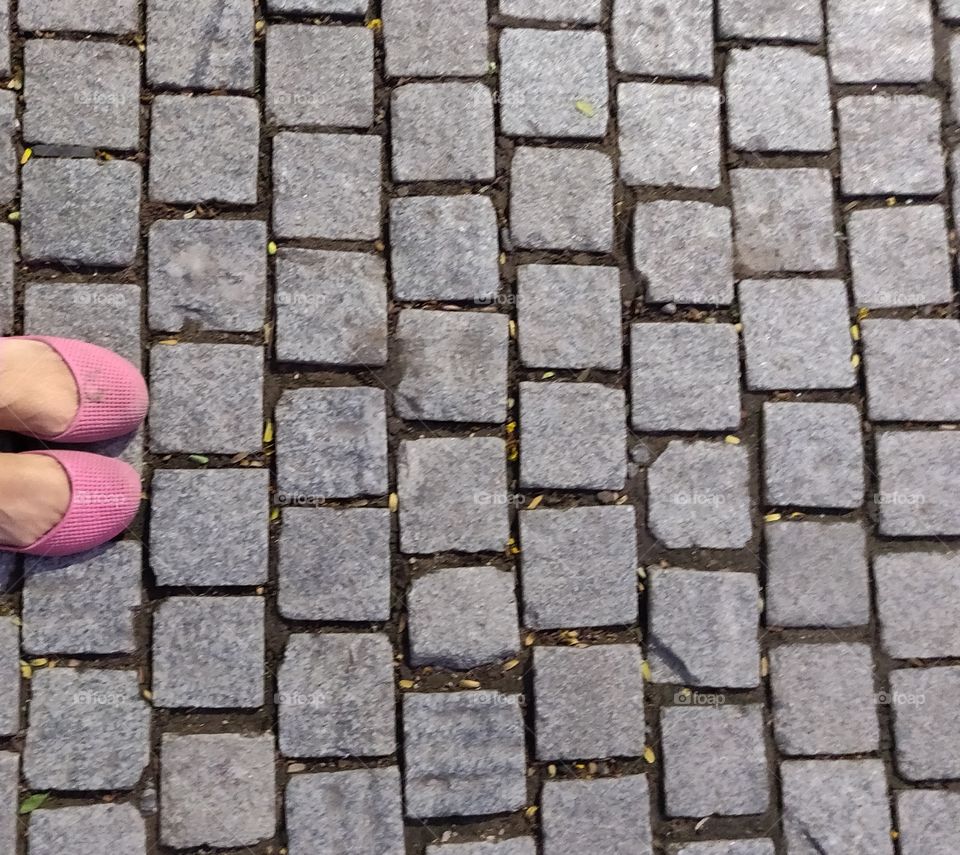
104	493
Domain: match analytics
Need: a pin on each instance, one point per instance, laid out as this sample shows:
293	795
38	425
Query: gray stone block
110	16
801	20
685	377
778	99
88	830
699	496
588	702
561	199
579	567
513	846
464	754
8	258
453	366
82	211
453	495
949	10
89	730
207	777
9	801
9	155
319	7
796	334
784	219
444	248
206	398
890	144
337	810
928	821
326	186
675	268
208	273
81	93
335	696
671	41
5	57
899	256
926	730
669	134
608	815
817	574
334	564
553	83
703	628
443	633
320	76
85	603
577	11
435	38
813	455
726	847
332	443
10	672
442	132
714	760
204	148
823	699
331	307
574	436
917	472
918	601
568	316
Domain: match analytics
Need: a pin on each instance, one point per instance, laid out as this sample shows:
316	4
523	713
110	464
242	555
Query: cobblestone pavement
552	445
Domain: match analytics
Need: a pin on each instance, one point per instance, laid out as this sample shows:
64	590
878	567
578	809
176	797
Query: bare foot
34	497
38	394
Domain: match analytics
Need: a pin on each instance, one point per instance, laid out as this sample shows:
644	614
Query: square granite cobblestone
9	801
925	723
929	822
670	41
513	846
435	38
800	21
112	16
88	830
9	156
725	847
10	673
576	11
322	7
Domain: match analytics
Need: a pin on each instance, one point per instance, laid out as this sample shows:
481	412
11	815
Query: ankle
34	496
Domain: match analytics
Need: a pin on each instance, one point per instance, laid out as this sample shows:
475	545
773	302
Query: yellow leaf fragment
535	502
855	332
764	666
772	517
27	154
147	694
732	440
393	503
39	663
648	755
272	248
510	427
552	770
274	514
862	312
406	684
509	666
585	107
168	341
548	374
14	216
855	360
469	684
374	24
512	327
530	811
25	670
645	670
268	432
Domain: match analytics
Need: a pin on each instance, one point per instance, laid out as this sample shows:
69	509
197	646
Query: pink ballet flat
113	394
104	499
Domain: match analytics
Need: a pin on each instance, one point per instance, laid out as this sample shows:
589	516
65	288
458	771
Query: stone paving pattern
554	435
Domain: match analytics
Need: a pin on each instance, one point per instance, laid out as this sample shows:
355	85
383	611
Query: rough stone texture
211	273
703	628
899	256
685	377
579	567
320	76
801	20
569	316
334	564
9	156
84	603
917	472
513	846
925	723
326	186
88	830
589	702
553	84
206	398
331	307
574	436
784	219
918	600
110	16
342	810
890	144
204	149
929	822
950	10
726	847
442	132
335	694
321	7
836	806
89	730
8	258
675	268
675	40
608	815
443	633
698	496
578	11
332	443
817	574
453	495
714	761
823	699
669	134
82	211
444	248
778	99
81	93
207	778
890	41
561	199
9	786
435	38
464	754
813	455
10	673
796	334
